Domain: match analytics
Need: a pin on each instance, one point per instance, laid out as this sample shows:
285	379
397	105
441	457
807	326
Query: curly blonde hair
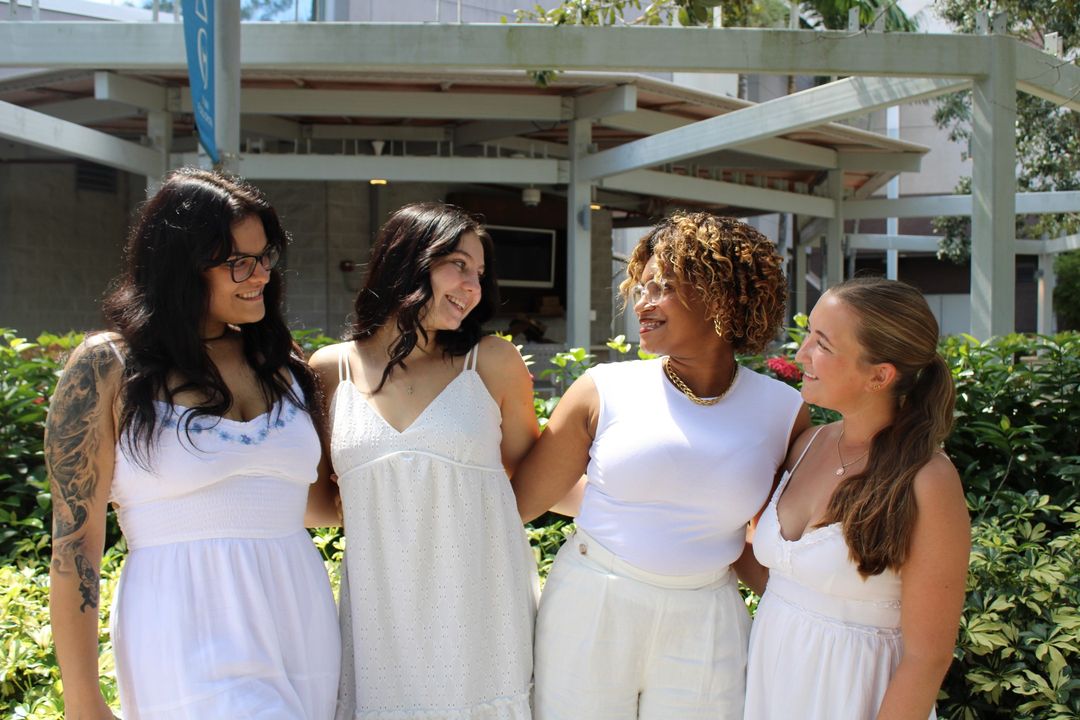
733	268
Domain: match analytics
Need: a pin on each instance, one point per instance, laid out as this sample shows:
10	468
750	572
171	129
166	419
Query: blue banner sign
199	40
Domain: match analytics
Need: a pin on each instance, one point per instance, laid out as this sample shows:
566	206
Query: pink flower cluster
784	369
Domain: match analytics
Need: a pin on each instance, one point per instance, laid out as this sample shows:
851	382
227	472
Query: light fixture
530	196
596	206
378	181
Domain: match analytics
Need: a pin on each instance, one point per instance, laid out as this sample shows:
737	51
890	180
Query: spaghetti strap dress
439	589
224	608
825	641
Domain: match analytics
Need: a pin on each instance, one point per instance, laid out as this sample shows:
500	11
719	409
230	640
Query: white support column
159	128
993	192
227	85
892	225
578	239
1047	280
834	232
800	278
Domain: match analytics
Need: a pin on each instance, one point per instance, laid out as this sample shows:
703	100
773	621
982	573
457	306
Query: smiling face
455	285
233	303
835	373
675	321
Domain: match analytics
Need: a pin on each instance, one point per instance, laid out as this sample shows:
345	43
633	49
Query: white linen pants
614	642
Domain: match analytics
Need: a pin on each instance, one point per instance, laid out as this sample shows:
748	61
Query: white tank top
673	484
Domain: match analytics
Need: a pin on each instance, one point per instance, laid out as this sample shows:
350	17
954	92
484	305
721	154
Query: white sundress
825	641
438	595
223	609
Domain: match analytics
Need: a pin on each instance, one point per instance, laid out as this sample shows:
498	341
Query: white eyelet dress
825	641
224	609
438	593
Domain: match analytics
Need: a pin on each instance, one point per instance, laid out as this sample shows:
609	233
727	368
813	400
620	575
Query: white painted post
993	192
800	278
892	191
227	85
578	238
1047	280
834	232
159	128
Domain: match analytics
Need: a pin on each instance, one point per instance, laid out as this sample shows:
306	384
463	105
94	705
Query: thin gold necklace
843	465
685	389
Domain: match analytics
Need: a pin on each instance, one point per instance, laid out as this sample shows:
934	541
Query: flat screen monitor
524	257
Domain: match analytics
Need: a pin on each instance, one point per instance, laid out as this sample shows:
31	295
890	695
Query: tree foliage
1048	135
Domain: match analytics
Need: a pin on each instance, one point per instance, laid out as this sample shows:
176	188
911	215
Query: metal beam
48	133
270	126
87	111
1051	78
867	161
1028	203
616	100
380	103
376	132
903	243
402	169
481	132
141	94
651	122
660	184
354	47
840	99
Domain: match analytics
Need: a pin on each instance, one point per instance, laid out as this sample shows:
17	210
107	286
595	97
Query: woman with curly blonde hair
641	616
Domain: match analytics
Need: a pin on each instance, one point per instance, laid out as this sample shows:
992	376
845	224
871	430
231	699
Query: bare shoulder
498	354
802	442
96	360
938	485
327	358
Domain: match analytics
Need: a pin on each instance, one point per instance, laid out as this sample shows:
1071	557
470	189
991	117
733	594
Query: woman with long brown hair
429	417
867	536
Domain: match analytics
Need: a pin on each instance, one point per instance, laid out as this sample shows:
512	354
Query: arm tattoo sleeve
73	438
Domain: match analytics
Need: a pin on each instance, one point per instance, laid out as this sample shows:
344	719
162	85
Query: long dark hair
398	284
877	506
160	300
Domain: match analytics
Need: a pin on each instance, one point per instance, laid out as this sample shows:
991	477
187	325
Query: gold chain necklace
685	389
843	465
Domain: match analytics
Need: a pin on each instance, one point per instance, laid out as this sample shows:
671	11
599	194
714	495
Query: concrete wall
59	246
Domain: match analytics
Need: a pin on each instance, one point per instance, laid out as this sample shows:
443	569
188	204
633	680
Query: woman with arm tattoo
199	420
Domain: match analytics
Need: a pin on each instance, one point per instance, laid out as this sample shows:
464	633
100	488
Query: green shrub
1015	445
1020	633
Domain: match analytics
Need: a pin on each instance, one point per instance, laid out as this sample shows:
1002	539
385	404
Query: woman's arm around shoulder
561	455
323	509
932	591
80	451
503	371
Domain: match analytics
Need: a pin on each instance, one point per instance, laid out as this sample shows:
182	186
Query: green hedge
1015	443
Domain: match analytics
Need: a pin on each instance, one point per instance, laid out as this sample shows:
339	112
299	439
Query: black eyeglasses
242	267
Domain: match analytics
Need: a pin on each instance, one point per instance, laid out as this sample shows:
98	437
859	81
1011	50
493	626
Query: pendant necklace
845	465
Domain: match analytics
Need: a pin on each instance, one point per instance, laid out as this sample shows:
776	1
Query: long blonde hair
877	506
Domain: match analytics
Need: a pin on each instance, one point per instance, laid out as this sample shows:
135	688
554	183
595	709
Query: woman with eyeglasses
196	417
438	593
641	615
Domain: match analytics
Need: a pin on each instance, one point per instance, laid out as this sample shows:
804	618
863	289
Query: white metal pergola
878	70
